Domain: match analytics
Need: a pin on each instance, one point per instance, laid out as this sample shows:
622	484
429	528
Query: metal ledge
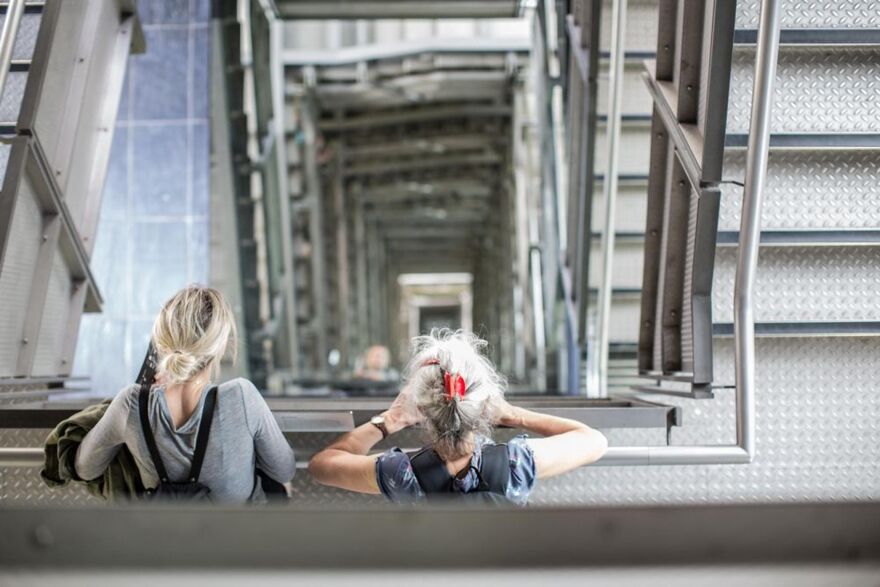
842	37
298	415
810	141
128	537
358	55
803	329
367	9
806	238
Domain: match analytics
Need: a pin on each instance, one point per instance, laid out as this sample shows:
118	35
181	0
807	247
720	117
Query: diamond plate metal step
804	284
817	90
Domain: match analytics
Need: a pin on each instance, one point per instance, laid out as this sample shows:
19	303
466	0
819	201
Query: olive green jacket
121	480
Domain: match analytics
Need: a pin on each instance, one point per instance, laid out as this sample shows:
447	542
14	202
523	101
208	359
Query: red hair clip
454	384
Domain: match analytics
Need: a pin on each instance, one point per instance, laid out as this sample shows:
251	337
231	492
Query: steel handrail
747	261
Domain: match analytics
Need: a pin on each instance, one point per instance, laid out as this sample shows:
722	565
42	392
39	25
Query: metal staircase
63	65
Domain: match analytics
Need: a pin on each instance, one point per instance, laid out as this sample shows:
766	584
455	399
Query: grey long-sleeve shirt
244	434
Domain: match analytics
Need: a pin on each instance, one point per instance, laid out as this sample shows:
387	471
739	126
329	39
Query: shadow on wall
152	236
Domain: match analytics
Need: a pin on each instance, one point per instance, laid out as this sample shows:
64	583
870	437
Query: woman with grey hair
454	392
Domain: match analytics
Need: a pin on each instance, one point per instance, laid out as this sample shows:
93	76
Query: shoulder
127	396
522	469
395	477
247	391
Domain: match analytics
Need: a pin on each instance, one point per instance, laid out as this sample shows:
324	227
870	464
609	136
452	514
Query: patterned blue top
398	483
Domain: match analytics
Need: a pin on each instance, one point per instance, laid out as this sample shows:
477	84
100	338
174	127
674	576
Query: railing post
599	376
750	222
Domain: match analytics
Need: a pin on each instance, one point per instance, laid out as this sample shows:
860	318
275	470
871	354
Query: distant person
458	396
192	333
375	364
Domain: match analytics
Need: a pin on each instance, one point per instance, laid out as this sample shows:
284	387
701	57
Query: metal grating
641	26
811	14
818	435
636	99
13	93
816	90
26	38
18	268
809	189
805	284
635	149
49	358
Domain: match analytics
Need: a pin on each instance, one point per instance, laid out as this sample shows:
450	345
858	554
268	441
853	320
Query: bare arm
346	464
567	444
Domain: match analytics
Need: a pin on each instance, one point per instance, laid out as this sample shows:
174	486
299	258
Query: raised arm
346	463
100	445
567	444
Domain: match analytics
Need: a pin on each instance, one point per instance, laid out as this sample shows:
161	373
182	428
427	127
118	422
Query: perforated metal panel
809	189
56	311
636	99
15	279
26	38
804	284
632	204
816	90
627	269
634	149
641	25
809	14
10	103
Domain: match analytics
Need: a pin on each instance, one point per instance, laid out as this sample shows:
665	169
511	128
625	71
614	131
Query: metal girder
683	194
370	9
416	49
428	145
463	162
417	88
417	115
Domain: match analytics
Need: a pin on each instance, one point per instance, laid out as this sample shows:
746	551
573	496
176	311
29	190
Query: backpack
191	489
435	480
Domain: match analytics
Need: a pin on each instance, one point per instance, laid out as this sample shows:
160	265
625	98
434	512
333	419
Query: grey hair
452	423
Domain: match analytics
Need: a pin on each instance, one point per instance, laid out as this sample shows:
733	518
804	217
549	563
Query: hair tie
453	383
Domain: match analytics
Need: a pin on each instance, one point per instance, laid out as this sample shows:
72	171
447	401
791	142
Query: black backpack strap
143	406
430	471
204	433
495	469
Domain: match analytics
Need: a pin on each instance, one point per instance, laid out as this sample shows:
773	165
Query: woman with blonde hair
456	394
185	431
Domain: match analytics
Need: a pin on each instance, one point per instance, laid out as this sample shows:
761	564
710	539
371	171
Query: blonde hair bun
194	331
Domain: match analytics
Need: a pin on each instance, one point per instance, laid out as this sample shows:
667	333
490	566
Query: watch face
377	420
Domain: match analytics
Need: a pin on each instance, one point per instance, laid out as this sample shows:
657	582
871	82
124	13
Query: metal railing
749	241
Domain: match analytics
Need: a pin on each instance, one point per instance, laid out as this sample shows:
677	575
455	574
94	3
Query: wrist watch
379	422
